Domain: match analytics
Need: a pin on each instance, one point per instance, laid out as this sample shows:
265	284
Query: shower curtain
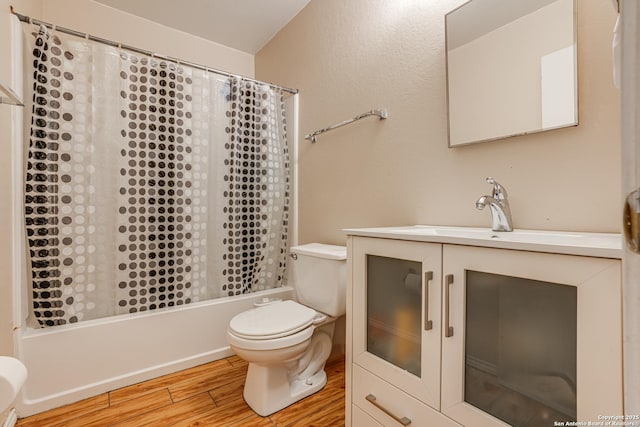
148	184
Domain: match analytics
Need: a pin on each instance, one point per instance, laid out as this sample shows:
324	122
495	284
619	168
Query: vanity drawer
388	404
362	419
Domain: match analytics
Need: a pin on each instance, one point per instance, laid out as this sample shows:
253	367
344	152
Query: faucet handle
499	192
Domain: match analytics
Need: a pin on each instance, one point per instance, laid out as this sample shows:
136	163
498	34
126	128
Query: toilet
287	343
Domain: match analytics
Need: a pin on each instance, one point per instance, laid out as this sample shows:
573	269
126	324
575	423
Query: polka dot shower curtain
148	184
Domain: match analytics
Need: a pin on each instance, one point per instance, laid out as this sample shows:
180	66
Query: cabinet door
396	314
534	338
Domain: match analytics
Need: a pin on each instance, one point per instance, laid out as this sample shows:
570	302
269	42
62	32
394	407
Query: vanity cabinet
452	335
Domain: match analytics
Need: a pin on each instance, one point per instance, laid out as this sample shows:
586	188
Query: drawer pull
428	277
631	223
404	420
448	329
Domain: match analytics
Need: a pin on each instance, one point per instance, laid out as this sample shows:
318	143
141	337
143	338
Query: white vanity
456	326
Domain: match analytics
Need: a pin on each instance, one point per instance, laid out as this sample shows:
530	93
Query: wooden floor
208	395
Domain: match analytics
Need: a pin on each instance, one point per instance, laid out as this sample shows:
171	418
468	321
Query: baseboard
11	420
31	407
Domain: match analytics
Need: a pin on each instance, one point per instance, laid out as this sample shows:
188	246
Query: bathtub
72	362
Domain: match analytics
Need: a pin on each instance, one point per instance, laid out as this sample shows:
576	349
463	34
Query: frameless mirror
511	68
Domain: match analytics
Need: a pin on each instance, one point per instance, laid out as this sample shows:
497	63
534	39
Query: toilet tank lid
321	250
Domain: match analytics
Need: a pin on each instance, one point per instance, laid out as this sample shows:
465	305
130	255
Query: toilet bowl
287	343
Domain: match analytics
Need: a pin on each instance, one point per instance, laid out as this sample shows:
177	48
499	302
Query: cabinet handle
448	329
631	221
428	277
404	420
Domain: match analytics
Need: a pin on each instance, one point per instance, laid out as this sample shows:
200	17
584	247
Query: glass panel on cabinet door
520	349
394	311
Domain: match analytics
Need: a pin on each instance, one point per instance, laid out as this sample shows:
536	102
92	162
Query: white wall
347	57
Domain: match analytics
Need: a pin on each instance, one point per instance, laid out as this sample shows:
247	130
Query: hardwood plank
306	409
187	388
121	411
137	390
228	392
331	414
171	414
237	361
255	421
234	412
73	410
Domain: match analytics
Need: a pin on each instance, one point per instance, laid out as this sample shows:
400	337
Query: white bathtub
70	363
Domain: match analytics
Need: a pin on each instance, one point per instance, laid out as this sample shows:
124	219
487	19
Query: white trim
18	277
11	420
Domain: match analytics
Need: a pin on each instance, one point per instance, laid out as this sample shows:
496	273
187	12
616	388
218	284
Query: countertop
602	245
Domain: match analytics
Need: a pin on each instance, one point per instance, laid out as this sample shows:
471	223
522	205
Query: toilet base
282	392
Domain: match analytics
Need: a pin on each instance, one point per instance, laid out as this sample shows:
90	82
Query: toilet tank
318	272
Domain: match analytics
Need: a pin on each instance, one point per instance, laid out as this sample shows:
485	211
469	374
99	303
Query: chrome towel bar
8	96
382	114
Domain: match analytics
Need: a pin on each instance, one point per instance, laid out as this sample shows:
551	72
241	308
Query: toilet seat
269	344
272	326
275	320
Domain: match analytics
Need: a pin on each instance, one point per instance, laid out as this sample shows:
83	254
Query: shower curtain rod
28	19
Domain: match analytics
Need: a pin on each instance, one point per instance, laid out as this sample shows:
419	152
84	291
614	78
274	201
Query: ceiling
246	25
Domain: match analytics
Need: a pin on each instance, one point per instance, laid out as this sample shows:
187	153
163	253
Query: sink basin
523	236
550	237
575	243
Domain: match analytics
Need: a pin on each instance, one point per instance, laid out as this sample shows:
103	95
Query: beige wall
347	57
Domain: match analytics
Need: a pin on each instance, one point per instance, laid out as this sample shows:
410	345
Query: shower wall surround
148	184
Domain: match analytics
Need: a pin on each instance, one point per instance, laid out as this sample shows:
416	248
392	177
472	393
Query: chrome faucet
499	205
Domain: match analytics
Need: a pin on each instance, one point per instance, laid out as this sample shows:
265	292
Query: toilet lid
272	321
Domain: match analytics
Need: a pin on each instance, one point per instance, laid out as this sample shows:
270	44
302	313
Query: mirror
511	68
